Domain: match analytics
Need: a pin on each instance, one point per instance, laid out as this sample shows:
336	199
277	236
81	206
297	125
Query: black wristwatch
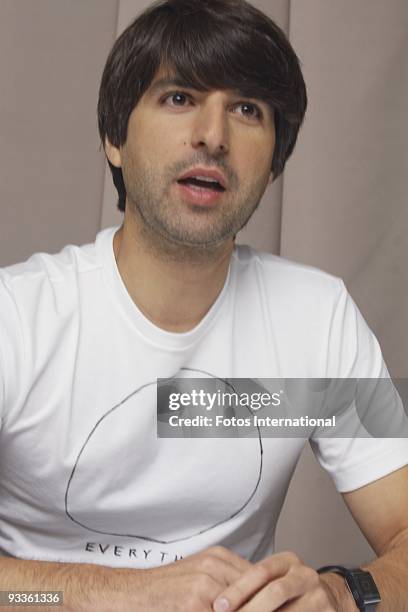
361	585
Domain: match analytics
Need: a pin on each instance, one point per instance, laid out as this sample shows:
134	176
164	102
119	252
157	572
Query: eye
178	98
251	111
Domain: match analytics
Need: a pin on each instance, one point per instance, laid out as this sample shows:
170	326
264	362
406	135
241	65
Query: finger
241	564
224	566
276	594
223	574
221	571
254	579
202	589
312	601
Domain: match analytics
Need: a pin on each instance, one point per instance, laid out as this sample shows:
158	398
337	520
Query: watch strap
350	576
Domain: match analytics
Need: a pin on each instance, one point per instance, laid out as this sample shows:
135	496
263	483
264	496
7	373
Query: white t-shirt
83	477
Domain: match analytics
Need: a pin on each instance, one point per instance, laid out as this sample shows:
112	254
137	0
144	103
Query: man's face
174	129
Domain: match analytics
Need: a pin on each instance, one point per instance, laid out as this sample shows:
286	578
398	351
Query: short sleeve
354	352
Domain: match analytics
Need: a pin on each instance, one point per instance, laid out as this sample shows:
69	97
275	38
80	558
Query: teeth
205	178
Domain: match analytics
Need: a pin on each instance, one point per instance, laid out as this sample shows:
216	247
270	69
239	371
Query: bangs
209	53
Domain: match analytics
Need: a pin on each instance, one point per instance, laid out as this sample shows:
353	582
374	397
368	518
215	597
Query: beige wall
52	53
344	208
340	206
345	191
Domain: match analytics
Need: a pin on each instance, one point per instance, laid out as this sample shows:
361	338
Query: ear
113	154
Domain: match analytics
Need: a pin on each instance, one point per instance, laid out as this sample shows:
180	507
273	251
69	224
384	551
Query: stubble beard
194	236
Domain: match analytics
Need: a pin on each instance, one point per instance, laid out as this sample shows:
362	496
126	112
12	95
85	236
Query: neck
173	286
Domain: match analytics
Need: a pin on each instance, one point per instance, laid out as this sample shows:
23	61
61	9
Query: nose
210	129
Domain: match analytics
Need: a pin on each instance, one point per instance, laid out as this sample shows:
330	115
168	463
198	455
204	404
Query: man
199	101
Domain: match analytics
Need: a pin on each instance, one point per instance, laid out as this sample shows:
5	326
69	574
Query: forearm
390	572
192	583
84	586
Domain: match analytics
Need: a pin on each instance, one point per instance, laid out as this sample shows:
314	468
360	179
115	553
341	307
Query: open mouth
211	185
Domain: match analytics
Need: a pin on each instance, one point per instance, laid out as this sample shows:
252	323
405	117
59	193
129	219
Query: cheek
253	153
163	139
256	163
265	150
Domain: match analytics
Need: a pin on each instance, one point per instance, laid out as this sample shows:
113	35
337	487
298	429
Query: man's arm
189	584
381	511
85	587
283	581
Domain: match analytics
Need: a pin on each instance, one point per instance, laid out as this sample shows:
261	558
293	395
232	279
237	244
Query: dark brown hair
210	44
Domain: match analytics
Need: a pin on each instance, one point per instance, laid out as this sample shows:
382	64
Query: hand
189	585
279	582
